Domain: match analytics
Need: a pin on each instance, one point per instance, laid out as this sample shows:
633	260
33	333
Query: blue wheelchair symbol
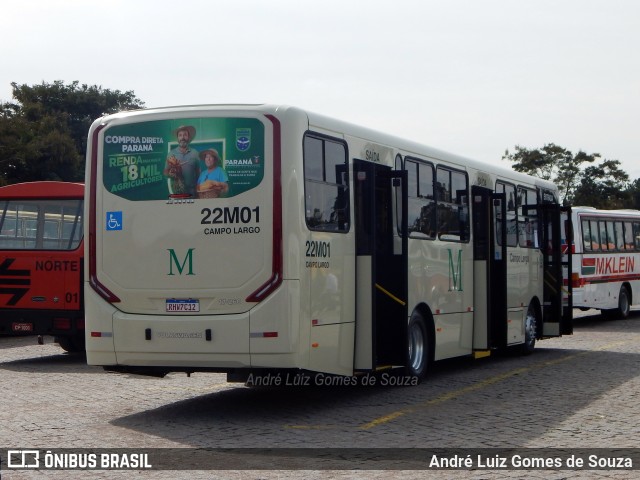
114	221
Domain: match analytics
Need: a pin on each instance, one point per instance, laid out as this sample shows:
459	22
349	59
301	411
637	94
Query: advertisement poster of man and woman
185	158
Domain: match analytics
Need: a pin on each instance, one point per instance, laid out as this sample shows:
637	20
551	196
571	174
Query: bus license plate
22	327
183	305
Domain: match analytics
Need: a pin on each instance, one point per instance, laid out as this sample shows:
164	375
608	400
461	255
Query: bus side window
587	242
619	235
452	205
602	228
636	234
628	236
326	184
595	235
421	204
511	220
526	216
611	237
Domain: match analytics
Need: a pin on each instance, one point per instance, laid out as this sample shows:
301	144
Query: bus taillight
62	323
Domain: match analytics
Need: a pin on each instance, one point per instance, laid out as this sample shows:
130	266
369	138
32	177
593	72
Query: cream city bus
606	259
249	239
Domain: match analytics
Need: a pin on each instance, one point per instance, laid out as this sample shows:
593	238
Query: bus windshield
47	224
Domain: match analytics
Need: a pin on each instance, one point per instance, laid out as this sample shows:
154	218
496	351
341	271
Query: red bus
41	261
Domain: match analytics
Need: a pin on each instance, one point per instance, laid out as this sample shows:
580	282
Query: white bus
606	259
320	246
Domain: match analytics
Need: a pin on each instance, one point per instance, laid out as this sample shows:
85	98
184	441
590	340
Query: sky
473	77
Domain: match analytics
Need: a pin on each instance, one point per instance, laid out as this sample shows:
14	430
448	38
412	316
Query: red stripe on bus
277	256
611	278
93	181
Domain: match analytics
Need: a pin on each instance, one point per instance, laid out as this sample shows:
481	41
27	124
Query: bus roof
43	189
581	209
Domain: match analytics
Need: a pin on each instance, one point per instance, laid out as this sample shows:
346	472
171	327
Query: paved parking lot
579	391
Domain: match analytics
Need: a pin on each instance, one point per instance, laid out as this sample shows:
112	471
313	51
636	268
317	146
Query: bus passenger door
489	269
557	304
381	265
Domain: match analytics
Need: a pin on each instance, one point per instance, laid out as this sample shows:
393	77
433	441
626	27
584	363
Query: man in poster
183	163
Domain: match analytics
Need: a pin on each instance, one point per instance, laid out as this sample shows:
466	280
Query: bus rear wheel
624	304
418	346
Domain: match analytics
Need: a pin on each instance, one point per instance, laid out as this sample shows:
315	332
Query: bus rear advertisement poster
153	160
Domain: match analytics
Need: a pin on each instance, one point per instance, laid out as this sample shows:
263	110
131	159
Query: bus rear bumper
264	337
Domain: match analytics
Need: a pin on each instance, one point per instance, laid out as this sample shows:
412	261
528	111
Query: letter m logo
180	266
455	272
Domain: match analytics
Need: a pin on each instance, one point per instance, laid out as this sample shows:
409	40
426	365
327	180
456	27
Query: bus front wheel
72	344
418	346
530	328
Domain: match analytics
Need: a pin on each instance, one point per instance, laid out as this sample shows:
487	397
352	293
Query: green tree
43	133
553	163
605	186
634	193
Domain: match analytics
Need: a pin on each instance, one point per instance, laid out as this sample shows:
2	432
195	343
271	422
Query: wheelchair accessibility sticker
114	221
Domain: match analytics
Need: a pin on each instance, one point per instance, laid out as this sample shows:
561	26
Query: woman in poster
213	182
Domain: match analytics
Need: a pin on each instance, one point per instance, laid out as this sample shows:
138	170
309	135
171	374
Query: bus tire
71	344
418	353
624	303
530	329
